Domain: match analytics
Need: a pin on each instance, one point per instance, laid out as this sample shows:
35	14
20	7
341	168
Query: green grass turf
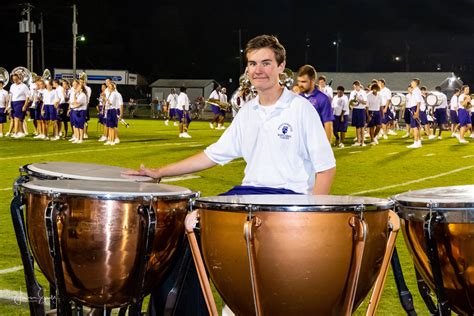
152	143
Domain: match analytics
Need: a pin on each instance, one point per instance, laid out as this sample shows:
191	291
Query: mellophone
106	241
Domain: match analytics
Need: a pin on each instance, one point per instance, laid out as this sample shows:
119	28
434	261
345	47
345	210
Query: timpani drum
433	99
104	244
78	171
437	224
398	100
293	254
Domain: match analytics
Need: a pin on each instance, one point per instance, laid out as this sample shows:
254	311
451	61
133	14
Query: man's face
263	70
16	79
305	84
322	83
340	93
356	87
413	84
466	90
381	84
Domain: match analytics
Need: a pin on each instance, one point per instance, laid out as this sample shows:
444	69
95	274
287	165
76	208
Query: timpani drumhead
106	189
293	203
81	171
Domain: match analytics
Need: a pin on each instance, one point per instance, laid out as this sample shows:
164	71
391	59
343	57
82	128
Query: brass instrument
83	76
287	78
23	73
222	105
354	102
46	75
4	76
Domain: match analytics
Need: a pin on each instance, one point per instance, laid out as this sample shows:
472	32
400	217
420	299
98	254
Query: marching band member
120	110
215	96
440	113
415	113
358	99
453	112
3	107
38	102
464	118
32	106
111	114
223	100
88	92
20	96
307	86
424	115
50	111
182	111
78	104
100	111
407	111
172	100
62	107
327	90
340	105
387	115
375	103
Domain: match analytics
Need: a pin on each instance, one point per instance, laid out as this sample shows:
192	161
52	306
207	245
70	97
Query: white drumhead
432	100
290	202
105	188
83	171
396	100
454	197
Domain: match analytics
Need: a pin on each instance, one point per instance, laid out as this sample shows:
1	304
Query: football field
376	171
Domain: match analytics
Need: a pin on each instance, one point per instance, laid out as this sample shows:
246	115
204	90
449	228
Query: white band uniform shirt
453	105
461	98
407	100
183	102
3	98
415	98
284	149
215	95
81	99
50	97
360	96
444	101
60	93
327	90
19	92
340	104
172	100
386	95
374	102
88	93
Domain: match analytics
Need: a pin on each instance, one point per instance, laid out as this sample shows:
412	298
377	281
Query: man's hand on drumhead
143	171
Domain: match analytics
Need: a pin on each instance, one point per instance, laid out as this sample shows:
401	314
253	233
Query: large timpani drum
104	244
438	228
433	99
293	254
78	171
398	100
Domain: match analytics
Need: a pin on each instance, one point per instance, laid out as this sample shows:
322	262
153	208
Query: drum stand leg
33	288
52	215
390	251
190	222
360	237
149	216
425	293
249	233
404	294
431	221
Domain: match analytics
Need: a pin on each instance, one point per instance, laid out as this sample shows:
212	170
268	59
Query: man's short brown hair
323	78
267	41
307	70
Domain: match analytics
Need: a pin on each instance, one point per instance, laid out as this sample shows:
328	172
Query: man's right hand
143	171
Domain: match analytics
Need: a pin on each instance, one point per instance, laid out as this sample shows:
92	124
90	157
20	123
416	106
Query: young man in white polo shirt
279	134
20	96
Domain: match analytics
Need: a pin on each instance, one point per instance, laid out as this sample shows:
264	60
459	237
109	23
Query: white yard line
429	155
389	154
6	189
354	152
98	150
10	270
468	156
19	297
414	181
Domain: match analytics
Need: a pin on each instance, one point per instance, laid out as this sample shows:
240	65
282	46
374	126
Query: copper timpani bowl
100	235
452	208
303	250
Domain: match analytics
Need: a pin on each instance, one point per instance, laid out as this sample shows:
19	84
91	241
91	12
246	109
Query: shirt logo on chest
285	131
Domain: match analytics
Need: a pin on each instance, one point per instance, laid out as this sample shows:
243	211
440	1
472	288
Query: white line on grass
414	181
389	154
354	152
10	270
429	155
97	150
18	297
468	156
6	189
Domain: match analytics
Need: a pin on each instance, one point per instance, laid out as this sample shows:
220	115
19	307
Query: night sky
195	39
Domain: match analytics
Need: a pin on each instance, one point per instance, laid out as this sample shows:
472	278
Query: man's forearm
328	130
194	163
324	179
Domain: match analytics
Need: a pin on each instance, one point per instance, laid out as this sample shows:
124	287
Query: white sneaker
112	144
167	122
211	125
432	137
86	136
117	141
472	135
385	136
390	132
440	137
1	134
175	123
374	143
414	145
406	135
355	139
355	144
107	143
463	141
53	138
79	142
456	135
341	145
20	135
72	139
363	145
186	135
102	138
60	134
221	127
7	134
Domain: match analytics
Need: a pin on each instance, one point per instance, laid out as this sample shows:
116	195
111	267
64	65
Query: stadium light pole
74	39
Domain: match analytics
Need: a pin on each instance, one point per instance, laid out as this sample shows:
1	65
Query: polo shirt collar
282	101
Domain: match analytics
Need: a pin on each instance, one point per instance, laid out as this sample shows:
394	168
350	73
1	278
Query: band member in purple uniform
358	102
440	113
340	105
307	86
463	114
19	96
3	107
375	104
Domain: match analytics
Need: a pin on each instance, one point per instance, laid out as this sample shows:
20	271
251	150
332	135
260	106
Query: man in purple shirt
307	87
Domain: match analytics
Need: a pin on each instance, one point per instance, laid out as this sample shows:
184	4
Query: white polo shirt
340	104
386	95
283	149
453	104
415	98
408	102
183	102
374	102
172	100
50	97
3	98
327	90
215	95
60	93
444	100
88	93
361	96
19	92
461	98
81	99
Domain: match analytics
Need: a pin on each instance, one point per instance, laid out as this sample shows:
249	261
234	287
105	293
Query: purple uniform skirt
17	109
50	112
181	115
440	115
376	119
464	117
78	118
454	117
111	118
358	117
340	127
3	116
